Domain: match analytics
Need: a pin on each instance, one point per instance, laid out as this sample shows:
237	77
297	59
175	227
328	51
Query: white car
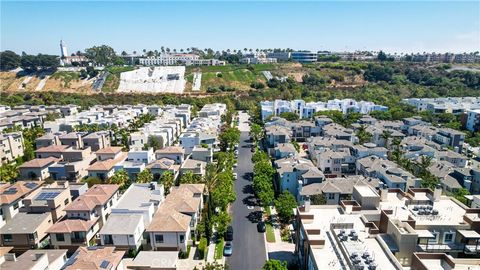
235	165
236	152
235	175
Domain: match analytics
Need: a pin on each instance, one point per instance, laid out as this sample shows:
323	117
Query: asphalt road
248	245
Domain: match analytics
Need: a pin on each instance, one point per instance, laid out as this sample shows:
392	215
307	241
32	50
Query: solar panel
10	191
30	185
47	195
104	264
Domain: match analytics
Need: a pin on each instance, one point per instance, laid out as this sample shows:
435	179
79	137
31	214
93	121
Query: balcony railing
78	240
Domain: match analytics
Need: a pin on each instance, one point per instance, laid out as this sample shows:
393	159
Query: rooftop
129	224
93	258
23	223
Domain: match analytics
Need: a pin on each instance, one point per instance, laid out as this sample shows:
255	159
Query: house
135	210
335	162
128	236
174	153
11	196
195	166
49	199
26	231
202	153
169	230
293	172
97	140
284	150
277	134
112	152
139	155
11	146
85	216
158	167
336	189
369	149
48	140
36	169
105	168
150	260
73	139
51	151
97	258
51	259
71	170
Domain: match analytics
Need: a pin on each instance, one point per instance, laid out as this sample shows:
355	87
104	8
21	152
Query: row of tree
9	60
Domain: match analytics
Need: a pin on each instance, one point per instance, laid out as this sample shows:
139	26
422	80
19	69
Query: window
448	237
15	206
60	237
158	238
182	238
32	236
331	196
7	238
66	201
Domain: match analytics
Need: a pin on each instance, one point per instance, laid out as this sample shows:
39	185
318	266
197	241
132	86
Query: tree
275	265
8	173
229	137
290	116
214	266
101	55
263	188
363	135
93	181
459	194
382	56
9	60
167	180
154	142
145	176
222	220
284	204
120	178
318	199
386	135
256	132
189	178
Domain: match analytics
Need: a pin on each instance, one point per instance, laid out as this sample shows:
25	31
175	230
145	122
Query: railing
78	240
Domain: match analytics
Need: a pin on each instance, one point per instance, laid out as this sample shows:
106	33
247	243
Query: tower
63	49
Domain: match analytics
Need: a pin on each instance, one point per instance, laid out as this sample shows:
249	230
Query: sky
402	27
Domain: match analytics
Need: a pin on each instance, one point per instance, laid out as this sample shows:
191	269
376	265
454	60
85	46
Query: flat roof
23	223
155	259
129	224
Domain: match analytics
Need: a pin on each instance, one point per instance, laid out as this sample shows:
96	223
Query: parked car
227	249
235	165
229	234
261	227
236	152
235	175
252	150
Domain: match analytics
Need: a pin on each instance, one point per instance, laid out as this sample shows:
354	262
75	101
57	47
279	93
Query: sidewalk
283	251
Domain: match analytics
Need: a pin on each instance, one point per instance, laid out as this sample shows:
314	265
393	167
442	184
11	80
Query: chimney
383	192
307	204
437	193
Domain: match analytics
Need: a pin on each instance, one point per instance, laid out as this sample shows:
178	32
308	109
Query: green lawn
219	250
270	233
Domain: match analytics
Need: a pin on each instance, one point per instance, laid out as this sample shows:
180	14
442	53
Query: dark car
252	150
227	249
229	234
261	227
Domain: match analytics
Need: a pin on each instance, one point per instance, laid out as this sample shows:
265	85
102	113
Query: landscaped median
268	226
219	249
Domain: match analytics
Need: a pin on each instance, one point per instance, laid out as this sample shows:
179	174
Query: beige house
85	216
95	258
51	151
97	140
175	153
51	259
26	231
11	146
52	198
36	169
11	196
113	152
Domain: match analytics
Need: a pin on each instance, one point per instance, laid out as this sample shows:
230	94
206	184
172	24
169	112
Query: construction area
153	80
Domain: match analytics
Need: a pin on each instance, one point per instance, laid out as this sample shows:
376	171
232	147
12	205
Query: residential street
248	245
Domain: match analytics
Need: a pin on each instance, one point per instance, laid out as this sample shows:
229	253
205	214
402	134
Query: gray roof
342	185
121	224
23	223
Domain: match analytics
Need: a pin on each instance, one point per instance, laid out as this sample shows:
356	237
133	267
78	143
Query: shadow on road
250	201
255	216
248	189
247	176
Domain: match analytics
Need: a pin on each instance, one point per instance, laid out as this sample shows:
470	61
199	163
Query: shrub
202	248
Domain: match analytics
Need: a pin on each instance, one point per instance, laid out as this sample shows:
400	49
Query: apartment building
304	56
473	120
384	229
11	146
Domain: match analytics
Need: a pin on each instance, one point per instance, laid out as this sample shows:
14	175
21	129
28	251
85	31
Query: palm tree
210	179
124	53
181	50
162	49
134	52
386	135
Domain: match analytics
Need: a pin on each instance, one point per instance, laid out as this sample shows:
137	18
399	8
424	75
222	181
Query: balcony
79	240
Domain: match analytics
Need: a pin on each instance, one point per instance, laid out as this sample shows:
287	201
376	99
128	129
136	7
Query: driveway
249	251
